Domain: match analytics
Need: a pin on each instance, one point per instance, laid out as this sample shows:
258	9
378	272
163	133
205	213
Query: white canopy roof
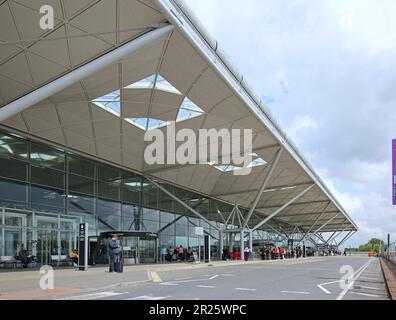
189	62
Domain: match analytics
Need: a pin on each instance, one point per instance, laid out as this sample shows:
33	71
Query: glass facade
45	192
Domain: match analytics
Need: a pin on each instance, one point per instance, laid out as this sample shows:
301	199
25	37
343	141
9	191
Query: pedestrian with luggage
114	255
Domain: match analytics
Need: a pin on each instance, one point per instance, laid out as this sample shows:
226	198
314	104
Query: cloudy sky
327	72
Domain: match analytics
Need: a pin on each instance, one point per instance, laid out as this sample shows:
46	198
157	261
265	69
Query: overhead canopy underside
84	30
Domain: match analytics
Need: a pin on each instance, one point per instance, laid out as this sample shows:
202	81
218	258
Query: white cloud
301	123
348	201
337	61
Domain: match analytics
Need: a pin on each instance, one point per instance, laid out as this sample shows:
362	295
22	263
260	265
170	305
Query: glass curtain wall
41	178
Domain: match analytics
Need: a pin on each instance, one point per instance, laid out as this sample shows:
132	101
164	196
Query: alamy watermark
47	280
222	147
47	17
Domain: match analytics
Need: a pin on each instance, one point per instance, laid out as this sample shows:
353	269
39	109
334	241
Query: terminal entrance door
137	250
137	246
46	246
147	250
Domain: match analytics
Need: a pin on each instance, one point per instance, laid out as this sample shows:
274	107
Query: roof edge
180	15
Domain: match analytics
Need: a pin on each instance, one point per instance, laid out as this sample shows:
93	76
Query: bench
9	261
60	260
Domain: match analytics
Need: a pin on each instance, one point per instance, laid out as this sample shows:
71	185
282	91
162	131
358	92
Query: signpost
199	231
394	171
207	249
83	247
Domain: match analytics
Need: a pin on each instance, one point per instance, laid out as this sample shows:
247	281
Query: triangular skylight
256	162
159	82
147	123
188	110
111	102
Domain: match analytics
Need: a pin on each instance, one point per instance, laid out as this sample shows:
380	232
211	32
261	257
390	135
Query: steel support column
242	242
170	194
263	186
82	72
350	234
321	227
284	207
315	222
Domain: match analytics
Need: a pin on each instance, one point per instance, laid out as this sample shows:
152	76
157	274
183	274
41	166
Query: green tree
373	244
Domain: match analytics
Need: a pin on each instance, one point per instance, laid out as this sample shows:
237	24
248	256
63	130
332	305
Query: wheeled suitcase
118	266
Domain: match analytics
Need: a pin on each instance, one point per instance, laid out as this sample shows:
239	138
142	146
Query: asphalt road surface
321	278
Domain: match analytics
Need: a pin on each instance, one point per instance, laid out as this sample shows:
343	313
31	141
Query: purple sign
394	171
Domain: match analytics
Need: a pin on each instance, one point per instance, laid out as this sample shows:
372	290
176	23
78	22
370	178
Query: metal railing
389	253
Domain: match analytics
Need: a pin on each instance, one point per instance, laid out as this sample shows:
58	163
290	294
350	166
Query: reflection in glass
13	169
11	146
46	198
109	215
11	191
45	156
80	203
47	177
109	190
81	166
81	184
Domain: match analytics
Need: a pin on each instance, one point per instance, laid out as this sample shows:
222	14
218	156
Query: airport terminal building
75	104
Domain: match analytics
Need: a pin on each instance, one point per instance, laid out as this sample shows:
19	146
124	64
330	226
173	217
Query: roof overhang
32	59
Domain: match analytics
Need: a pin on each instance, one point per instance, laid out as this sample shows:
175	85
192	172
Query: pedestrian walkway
25	285
389	271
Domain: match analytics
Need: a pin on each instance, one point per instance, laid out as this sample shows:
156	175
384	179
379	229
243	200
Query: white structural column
251	240
242	244
284	206
350	234
322	226
263	186
315	222
82	72
182	203
221	243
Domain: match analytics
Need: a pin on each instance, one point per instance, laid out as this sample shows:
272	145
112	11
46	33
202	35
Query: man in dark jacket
114	252
24	257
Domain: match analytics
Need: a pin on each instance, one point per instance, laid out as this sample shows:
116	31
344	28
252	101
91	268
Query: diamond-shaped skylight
111	102
159	83
256	162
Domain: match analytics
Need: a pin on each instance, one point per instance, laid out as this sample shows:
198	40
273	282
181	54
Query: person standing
261	253
24	257
246	253
114	253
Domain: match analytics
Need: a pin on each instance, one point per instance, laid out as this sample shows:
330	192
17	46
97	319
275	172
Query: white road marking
323	289
227	275
355	276
149	297
245	289
297	292
366	294
320	286
364	287
211	287
176	282
92	296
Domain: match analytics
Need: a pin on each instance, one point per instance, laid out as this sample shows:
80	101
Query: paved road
313	279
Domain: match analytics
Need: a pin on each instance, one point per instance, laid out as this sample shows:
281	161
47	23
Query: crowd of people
177	254
273	252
